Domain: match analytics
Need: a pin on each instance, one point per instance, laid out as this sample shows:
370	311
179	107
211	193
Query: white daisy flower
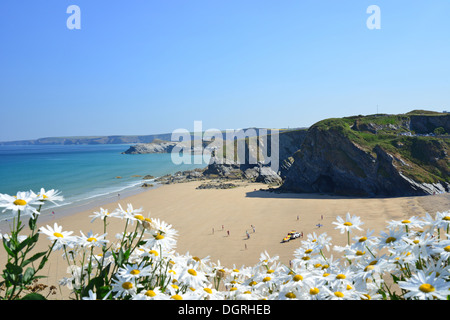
135	271
92	239
61	238
423	287
103	214
348	224
123	287
129	213
49	195
22	201
407	224
442	248
192	277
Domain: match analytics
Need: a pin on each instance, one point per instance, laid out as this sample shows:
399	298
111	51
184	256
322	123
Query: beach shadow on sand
261	193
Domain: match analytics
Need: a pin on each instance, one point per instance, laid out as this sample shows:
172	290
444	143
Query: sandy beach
214	222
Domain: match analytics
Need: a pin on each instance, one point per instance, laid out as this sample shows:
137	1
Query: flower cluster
407	260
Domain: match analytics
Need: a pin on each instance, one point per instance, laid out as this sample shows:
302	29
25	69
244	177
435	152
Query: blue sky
144	67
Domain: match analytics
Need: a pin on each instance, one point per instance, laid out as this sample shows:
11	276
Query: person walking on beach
228	232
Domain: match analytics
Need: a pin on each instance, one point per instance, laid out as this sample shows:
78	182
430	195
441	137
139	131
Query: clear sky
152	66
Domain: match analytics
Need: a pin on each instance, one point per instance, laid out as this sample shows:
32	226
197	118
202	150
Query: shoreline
65	210
234	226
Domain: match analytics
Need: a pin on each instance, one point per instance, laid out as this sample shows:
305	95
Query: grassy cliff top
422	157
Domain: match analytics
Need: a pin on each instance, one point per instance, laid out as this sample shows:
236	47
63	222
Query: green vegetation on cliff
422	157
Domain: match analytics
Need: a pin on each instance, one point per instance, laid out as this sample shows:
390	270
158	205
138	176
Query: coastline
199	214
62	210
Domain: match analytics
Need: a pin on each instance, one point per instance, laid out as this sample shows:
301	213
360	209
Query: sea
84	174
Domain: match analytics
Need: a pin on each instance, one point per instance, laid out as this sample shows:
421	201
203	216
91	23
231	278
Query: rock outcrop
157	146
367	158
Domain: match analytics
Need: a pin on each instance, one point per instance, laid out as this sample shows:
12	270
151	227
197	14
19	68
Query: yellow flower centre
416	241
348	224
314	291
159	236
270	271
176	297
369	267
339	294
367	297
58	235
362	239
360	253
91	239
153	252
235	270
252	283
326	274
233	289
406	221
427	288
447	248
174	286
139	217
349	287
150	293
317	265
127	285
135	272
446	218
208	290
341	276
297	278
290	295
390	239
20	202
306	258
308	251
192	272
266	279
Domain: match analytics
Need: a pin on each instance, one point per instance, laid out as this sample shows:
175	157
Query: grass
426	157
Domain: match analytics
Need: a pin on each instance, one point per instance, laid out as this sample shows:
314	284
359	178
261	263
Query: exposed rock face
329	162
426	123
254	167
157	146
379	155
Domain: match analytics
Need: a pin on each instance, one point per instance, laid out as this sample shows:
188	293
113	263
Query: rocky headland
369	156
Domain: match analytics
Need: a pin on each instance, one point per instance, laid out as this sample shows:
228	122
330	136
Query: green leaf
33	258
7	244
34	296
28	275
102	292
32	223
22	244
13	269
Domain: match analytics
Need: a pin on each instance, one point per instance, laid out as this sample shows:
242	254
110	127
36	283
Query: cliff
116	139
157	146
379	155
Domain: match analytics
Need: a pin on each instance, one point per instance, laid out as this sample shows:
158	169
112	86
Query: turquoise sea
82	173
